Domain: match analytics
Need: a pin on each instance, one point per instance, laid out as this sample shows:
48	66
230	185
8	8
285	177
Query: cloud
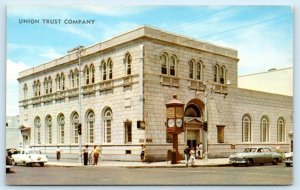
12	86
50	53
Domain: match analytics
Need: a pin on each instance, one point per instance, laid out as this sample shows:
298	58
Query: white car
29	157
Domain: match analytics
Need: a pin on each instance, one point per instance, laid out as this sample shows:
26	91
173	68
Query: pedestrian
96	153
200	150
58	153
187	155
85	155
192	156
143	150
277	148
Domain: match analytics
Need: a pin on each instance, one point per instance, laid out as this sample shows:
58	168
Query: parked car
288	159
255	155
9	162
29	157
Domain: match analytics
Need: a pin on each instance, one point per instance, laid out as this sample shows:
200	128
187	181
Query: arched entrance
194	118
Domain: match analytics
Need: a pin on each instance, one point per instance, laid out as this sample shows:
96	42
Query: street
52	175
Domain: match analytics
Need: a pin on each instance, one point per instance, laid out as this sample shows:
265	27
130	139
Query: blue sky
263	35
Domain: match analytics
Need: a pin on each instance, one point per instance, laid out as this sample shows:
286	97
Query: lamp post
207	93
79	50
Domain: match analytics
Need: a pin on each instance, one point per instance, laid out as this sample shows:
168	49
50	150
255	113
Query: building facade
13	135
125	83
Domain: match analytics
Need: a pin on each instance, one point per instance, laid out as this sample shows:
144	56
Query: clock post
175	123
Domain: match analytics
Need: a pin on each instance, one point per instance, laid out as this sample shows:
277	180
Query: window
199	66
37	126
86	75
74	127
50	85
191	69
164	62
280	130
46	86
107	125
222	75
128	61
264	129
93	74
76	73
110	67
216	73
220	134
58	83
63	81
38	88
49	130
90	126
25	89
246	128
61	126
72	76
128	132
103	71
173	65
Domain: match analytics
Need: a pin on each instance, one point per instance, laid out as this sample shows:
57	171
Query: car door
267	155
259	156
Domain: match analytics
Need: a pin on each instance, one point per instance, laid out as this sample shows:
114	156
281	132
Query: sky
262	35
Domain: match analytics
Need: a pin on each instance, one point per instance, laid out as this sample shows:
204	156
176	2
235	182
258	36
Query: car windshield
34	152
250	150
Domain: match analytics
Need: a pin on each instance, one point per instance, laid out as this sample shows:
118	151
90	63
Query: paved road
51	175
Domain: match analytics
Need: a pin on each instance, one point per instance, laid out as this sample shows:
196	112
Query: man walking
187	155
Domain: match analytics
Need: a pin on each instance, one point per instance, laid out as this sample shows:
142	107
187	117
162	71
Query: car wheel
275	161
249	162
287	164
42	164
15	163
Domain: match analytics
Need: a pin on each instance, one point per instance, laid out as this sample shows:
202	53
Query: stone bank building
124	84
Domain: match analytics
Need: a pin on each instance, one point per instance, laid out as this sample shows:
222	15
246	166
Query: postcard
149	95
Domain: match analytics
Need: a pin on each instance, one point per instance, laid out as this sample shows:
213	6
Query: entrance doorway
192	143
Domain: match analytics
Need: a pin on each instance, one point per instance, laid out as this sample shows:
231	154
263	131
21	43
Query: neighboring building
126	82
282	81
13	134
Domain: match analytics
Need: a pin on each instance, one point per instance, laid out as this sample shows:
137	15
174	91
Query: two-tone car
29	157
255	155
288	159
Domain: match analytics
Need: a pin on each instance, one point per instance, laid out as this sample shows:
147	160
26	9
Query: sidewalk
103	163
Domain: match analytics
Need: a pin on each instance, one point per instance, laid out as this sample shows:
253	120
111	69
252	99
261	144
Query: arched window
280	130
222	75
128	61
246	128
103	71
173	65
46	86
90	126
74	127
61	127
264	129
49	130
164	63
216	73
107	125
50	84
110	69
191	69
37	126
76	73
199	66
25	89
86	75
93	74
72	77
58	83
37	88
192	111
63	81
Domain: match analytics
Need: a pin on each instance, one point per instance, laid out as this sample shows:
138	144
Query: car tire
275	161
249	162
287	164
42	164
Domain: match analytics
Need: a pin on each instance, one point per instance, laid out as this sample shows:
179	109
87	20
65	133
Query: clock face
178	122
171	123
